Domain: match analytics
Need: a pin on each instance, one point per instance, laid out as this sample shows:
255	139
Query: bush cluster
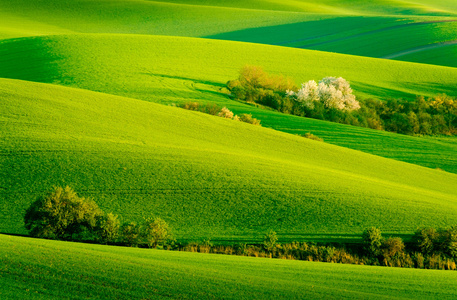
332	100
63	215
224	112
429	249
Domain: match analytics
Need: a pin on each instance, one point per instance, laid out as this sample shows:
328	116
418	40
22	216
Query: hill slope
397	26
206	175
53	270
175	70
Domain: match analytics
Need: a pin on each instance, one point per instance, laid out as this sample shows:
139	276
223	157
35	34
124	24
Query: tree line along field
44	269
205	175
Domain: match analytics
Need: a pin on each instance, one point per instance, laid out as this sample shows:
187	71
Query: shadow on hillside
308	33
218	84
426	87
382	93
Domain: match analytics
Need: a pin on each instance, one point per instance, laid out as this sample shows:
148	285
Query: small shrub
225	113
269	241
247	118
312	137
190	105
419	258
210	108
392	246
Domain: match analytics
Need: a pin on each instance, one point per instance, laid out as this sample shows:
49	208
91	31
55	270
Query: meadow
43	269
205	175
169	70
88	98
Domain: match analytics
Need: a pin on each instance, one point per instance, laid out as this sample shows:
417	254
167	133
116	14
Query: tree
108	228
155	232
448	241
61	214
426	239
331	91
269	241
130	233
391	246
372	240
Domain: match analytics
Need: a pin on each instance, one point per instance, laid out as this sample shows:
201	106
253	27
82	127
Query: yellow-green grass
302	24
175	70
29	18
350	7
206	176
43	269
170	69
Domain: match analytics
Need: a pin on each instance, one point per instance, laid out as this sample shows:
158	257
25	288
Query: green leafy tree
269	241
372	240
130	233
108	228
448	241
61	215
392	246
425	240
155	232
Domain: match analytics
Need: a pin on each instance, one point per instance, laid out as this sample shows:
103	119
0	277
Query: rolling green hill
42	269
396	26
207	176
174	70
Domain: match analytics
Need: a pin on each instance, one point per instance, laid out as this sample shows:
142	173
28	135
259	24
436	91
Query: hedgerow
332	99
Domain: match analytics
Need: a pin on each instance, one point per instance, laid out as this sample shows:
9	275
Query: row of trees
63	215
332	99
429	248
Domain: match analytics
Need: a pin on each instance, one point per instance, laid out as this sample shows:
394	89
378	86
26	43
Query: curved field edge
300	24
153	67
172	70
32	268
206	176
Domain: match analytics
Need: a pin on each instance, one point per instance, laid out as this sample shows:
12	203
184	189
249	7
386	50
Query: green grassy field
87	96
170	70
207	176
42	269
302	24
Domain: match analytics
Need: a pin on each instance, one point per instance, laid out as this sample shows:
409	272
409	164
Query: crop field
161	69
207	176
43	269
88	98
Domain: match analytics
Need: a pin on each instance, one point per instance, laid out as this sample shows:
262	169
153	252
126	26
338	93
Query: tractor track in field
365	33
420	49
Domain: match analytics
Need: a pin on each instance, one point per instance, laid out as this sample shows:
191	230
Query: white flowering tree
331	91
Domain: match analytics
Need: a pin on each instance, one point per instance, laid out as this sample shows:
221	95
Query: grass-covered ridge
47	269
175	70
395	25
206	176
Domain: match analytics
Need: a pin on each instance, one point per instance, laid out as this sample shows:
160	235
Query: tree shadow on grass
214	83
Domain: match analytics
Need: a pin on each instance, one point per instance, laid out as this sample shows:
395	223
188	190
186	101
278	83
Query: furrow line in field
420	49
367	33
